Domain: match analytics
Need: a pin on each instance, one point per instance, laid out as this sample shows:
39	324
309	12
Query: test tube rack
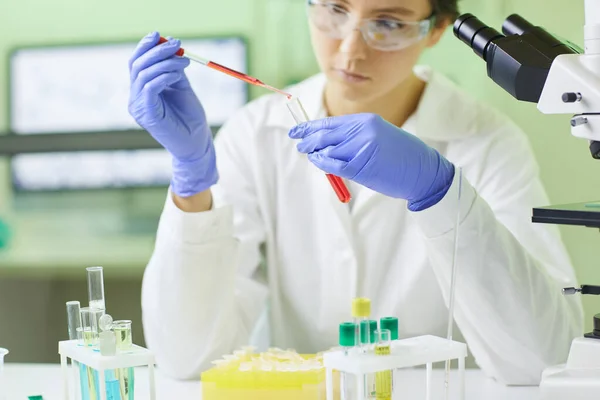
135	357
405	353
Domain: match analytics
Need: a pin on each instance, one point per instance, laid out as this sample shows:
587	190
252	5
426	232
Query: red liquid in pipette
338	185
246	78
236	74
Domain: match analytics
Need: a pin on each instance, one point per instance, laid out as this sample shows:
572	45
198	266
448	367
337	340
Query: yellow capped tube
361	311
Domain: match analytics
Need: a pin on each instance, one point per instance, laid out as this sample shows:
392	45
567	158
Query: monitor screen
91	169
61	89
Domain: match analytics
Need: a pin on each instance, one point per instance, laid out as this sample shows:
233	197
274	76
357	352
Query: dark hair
445	9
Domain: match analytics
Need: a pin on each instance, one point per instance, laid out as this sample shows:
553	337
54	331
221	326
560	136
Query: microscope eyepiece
477	35
519	62
516	25
595	149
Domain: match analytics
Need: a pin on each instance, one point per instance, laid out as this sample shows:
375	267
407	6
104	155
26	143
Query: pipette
221	68
338	185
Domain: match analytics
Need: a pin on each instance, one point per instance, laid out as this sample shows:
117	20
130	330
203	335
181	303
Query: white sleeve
201	297
509	305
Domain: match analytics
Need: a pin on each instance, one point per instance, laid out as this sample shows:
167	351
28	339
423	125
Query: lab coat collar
444	112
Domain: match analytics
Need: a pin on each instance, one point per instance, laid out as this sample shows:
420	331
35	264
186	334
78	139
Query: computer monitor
91	170
81	88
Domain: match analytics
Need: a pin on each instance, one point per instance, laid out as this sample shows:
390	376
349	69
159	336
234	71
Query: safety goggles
379	33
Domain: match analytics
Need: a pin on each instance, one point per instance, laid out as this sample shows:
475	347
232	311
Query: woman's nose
354	45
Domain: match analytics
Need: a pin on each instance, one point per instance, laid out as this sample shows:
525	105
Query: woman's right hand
162	102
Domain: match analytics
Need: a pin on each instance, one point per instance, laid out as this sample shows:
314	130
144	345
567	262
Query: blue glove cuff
196	176
447	169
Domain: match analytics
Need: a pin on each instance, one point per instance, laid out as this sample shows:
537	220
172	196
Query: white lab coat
205	286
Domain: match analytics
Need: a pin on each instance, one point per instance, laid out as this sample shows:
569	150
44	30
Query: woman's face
354	69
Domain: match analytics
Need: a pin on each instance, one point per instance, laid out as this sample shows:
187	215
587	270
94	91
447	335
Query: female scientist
396	132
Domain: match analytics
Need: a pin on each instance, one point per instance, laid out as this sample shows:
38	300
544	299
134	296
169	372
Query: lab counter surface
24	380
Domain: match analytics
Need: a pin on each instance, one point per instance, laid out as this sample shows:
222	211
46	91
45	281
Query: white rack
421	350
136	357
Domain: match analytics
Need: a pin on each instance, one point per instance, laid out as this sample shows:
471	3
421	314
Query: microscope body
534	66
579	75
579	378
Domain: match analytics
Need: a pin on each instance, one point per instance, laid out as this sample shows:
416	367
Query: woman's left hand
374	153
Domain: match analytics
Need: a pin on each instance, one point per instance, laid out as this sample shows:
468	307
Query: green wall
280	52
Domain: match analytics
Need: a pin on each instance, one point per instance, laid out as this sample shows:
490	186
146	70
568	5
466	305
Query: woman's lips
351	77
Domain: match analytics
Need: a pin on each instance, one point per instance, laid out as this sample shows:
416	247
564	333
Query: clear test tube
367	340
122	330
74	320
299	114
390	323
347	337
367	334
384	379
89	324
347	340
124	343
95	278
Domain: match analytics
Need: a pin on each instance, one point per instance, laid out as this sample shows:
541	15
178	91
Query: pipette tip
274	89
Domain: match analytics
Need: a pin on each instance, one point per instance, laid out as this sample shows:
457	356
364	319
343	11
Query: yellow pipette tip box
273	375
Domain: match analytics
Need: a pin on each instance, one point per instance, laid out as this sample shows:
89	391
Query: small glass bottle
122	330
107	339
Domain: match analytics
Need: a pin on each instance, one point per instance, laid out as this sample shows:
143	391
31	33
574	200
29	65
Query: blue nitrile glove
369	150
163	103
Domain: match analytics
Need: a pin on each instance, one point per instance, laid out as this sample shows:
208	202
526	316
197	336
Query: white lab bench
25	380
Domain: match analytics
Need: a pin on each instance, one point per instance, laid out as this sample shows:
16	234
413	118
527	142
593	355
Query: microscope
534	66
